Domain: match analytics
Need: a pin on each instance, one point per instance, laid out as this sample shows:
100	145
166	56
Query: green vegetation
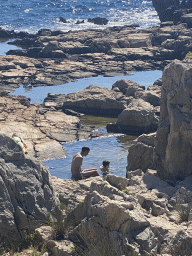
32	244
126	191
58	222
188	55
183	210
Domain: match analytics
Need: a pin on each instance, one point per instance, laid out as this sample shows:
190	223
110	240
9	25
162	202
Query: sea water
30	16
37	94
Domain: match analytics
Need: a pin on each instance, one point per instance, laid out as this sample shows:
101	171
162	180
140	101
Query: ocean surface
30	16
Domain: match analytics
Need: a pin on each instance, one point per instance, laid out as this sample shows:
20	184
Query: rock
158	82
78	54
62	20
26	193
187	18
127	87
101	214
108	219
141	152
6	34
41	128
139	40
137	118
44	32
73	113
95	100
79	22
98	21
173	154
48	50
118	182
12	151
151	95
24	100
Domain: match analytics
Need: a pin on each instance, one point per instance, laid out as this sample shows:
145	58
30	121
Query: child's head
106	163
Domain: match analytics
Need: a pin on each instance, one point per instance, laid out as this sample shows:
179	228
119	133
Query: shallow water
5	47
37	94
113	148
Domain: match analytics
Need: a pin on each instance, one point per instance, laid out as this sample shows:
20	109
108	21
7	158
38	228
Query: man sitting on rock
20	142
77	172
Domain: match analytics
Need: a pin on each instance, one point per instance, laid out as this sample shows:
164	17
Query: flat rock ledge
43	129
54	57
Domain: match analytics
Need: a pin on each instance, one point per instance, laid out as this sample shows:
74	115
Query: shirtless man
77	173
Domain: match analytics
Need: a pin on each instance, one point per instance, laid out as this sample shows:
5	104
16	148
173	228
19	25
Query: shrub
183	210
188	55
58	222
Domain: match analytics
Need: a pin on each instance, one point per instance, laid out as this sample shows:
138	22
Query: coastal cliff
169	149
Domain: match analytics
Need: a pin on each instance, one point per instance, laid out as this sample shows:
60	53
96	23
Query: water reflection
96	121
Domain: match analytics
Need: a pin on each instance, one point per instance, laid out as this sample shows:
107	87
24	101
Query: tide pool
38	94
113	148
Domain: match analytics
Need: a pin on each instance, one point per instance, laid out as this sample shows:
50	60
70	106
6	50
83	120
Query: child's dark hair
85	148
106	162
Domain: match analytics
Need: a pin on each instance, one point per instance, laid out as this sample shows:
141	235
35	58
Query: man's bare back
76	170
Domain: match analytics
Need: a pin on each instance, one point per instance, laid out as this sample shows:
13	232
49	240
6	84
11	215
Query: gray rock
139	117
173	140
141	153
127	87
26	193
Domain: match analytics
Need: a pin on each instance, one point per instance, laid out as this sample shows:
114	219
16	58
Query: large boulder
173	140
127	87
151	95
97	101
141	152
139	117
26	193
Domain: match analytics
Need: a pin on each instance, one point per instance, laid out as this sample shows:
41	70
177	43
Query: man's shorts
76	177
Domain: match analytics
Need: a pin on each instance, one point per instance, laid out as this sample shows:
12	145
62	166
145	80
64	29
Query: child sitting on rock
105	168
20	142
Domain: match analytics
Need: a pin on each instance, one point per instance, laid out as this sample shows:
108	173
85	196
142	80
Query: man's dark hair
85	148
106	162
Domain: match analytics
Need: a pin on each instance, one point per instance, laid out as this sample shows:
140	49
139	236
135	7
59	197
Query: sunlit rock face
26	193
173	153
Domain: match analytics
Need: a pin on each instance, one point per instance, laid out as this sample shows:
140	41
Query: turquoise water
37	94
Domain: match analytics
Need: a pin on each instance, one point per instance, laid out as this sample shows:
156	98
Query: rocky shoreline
54	57
147	213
